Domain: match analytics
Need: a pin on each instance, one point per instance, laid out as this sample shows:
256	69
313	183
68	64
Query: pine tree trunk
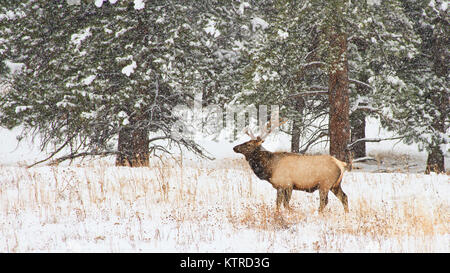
339	124
358	131
295	140
435	161
133	145
124	146
140	147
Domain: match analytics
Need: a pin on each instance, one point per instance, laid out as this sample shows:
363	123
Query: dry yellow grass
179	205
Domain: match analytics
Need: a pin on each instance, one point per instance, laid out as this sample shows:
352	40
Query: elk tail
342	166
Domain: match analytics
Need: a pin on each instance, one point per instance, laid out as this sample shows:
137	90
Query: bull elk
290	171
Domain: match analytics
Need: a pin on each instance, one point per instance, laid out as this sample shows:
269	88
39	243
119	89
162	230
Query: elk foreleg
283	196
323	194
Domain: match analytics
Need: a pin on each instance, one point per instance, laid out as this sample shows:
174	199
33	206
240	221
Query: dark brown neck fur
259	161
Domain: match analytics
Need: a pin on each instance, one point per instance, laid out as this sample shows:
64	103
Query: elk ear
259	140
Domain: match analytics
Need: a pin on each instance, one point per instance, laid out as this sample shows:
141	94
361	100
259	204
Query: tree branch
360	83
313	63
310	93
350	146
53	154
83	154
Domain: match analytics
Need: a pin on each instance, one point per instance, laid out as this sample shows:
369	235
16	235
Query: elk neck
259	160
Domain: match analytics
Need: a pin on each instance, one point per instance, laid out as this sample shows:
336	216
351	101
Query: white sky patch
443	5
4	90
283	34
11	15
22	108
211	29
127	70
256	77
89	79
73	2
373	2
258	22
139	4
432	4
98	3
242	7
124	116
238	45
394	80
122	31
89	115
14	67
169	41
78	38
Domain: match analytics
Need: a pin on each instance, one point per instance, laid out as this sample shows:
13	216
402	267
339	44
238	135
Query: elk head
249	147
254	144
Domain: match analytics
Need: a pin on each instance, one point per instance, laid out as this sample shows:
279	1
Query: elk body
290	171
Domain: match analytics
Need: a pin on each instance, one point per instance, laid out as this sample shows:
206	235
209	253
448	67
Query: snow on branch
350	146
362	159
313	63
360	83
310	93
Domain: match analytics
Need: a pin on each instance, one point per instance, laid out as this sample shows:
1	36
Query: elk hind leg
341	196
280	197
323	194
287	197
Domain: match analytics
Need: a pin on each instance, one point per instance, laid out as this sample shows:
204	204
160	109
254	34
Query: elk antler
268	128
249	133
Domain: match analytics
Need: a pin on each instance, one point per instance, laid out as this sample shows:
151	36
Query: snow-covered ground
194	206
216	206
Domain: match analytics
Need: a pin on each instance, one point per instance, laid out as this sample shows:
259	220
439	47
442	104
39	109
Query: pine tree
101	79
422	111
342	49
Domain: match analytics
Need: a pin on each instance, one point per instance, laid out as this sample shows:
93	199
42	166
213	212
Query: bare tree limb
310	93
313	141
360	83
361	159
54	153
158	138
317	63
350	146
83	154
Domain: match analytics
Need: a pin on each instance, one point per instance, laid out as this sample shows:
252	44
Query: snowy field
220	207
191	205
